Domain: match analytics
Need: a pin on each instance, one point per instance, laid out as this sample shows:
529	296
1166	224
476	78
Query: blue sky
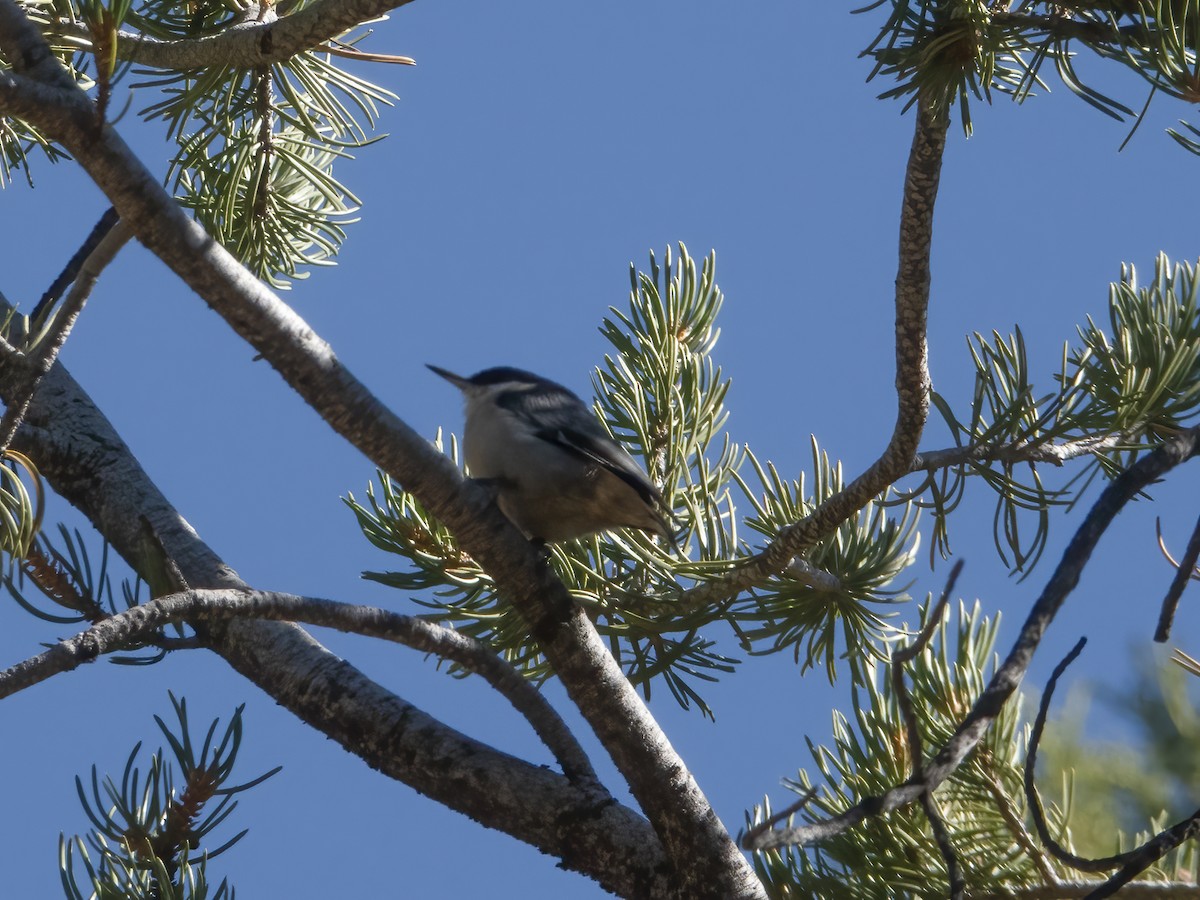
537	149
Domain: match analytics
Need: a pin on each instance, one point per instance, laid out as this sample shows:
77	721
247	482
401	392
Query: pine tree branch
252	43
704	858
1095	34
1149	469
1054	453
139	625
912	377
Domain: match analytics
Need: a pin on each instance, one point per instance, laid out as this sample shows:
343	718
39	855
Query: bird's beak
457	380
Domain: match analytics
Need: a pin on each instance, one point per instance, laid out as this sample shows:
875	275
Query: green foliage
946	51
103	23
857	567
1004	415
950	51
20	512
1144	381
276	207
895	855
147	828
66	578
661	393
255	149
1118	393
79	591
17	139
1099	784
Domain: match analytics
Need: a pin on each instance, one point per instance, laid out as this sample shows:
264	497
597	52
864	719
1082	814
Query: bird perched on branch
556	472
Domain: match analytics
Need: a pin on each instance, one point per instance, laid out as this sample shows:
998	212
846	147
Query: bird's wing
600	449
557	422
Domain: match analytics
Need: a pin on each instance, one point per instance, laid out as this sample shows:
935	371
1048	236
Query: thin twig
909	653
1075	890
941	835
1017	828
1185	570
266	145
1033	799
1132	862
1054	453
138	624
71	271
1149	853
916	749
109	238
774	820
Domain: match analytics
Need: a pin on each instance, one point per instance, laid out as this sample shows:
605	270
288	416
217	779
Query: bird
556	473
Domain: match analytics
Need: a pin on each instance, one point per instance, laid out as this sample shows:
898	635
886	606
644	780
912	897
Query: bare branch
941	835
780	816
909	653
916	750
1132	862
1149	853
71	271
1185	571
138	625
101	247
1053	453
1150	468
1074	890
1034	800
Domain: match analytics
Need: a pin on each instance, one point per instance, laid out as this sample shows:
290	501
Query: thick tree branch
87	463
139	625
1007	679
258	41
705	859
